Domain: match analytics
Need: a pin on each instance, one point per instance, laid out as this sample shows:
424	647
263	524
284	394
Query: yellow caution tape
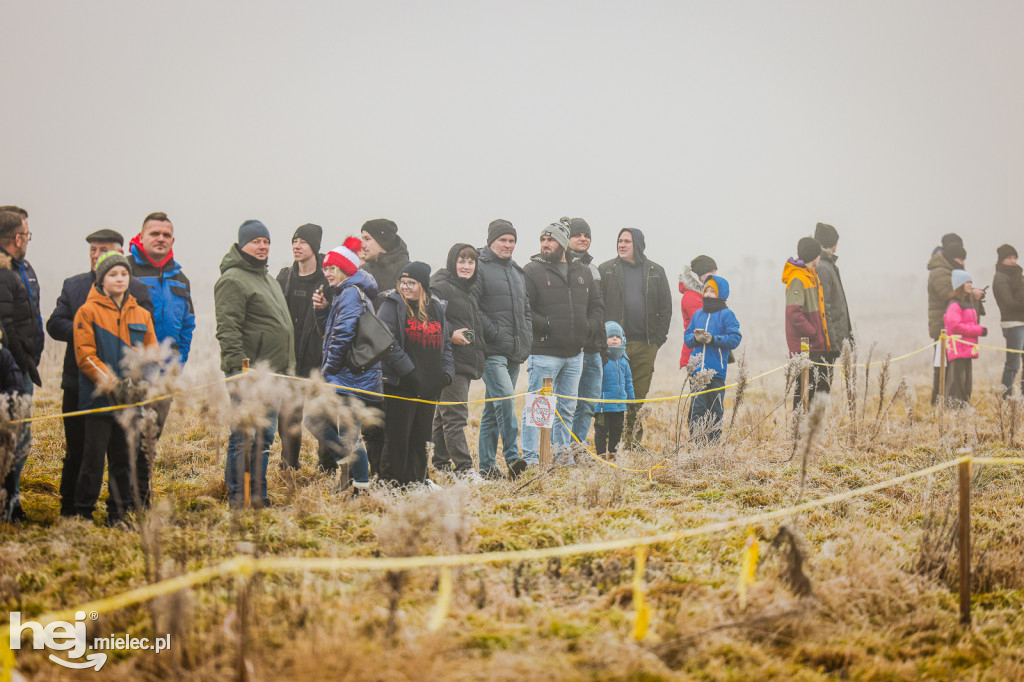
879	363
643	612
444	600
748	569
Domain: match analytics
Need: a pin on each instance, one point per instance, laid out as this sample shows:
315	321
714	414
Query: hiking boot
494	474
516	468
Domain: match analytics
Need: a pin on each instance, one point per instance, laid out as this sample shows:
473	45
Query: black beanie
311	234
418	271
826	235
954	251
384	232
807	249
702	265
1004	252
950	239
499	228
578	226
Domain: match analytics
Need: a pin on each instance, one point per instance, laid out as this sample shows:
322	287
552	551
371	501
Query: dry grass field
865	588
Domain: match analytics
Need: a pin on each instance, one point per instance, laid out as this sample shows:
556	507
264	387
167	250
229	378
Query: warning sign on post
540	410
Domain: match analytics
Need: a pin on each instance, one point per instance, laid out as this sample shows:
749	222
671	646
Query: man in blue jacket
61	326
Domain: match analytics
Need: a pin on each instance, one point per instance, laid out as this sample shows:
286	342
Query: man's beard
555	256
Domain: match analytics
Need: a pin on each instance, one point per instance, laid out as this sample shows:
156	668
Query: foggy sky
727	128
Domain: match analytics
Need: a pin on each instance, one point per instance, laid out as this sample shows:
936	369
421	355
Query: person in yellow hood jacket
805	315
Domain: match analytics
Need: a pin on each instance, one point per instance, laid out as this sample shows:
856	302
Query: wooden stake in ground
805	376
942	367
245	456
545	433
965	543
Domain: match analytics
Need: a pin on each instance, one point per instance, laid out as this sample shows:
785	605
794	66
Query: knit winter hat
702	265
418	271
960	278
712	284
252	229
383	231
346	256
577	226
950	239
559	232
954	251
311	234
807	249
826	235
109	260
499	228
1005	251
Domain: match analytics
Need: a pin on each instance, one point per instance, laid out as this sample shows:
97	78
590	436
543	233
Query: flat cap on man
105	235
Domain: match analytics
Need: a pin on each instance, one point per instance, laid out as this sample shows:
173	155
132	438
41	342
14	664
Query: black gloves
984	331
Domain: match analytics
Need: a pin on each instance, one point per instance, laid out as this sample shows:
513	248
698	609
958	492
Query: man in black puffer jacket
384	254
455	285
61	326
1008	288
636	295
507	334
566	309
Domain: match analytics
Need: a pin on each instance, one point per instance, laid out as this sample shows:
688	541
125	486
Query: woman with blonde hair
419	366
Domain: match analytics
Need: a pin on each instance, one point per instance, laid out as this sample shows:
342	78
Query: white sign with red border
540	410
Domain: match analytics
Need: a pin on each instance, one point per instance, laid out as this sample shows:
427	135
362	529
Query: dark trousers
146	454
608	431
959	380
706	413
407	428
104	440
451	450
74	443
820	380
373	439
289	428
641	363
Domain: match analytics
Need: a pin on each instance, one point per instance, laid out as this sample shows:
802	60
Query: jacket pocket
136	334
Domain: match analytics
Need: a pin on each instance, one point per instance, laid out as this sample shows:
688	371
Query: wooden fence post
965	543
805	376
247	498
545	433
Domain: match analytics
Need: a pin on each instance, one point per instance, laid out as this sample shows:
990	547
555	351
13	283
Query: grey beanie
252	229
559	232
109	260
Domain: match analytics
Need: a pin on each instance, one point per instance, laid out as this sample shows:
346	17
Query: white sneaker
473	476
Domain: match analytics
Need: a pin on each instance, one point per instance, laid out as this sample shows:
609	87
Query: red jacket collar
137	242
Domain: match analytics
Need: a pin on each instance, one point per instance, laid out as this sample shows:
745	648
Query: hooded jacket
693	300
309	340
18	318
617	379
103	332
252	316
1008	288
397	363
656	292
837	312
462	311
940	287
596	342
805	307
174	316
723	327
504	307
61	325
339	322
566	309
388	267
961	319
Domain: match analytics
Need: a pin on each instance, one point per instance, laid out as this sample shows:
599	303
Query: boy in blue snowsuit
712	333
617	384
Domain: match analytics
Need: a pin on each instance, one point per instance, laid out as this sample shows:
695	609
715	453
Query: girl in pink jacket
961	319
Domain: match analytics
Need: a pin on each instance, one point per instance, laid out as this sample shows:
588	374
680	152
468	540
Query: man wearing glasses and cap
60	326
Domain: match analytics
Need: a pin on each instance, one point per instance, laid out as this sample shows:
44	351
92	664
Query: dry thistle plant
814	423
848	360
791	558
901	391
742	380
1009	412
883	381
867	380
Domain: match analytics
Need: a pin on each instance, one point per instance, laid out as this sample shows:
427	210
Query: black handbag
372	342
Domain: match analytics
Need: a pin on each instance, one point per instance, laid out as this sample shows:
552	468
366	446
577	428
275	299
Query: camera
470	336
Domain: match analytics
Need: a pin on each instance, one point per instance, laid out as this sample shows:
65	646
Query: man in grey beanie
566	310
253	324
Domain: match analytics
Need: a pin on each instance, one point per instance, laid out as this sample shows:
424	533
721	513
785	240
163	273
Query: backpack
373	339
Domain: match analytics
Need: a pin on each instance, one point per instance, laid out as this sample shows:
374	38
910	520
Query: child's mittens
984	331
703	337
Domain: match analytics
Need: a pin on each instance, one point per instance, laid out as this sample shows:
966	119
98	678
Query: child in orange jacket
109	323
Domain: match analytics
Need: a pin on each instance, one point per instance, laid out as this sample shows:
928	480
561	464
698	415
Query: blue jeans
1015	341
499	418
234	466
706	413
566	373
590	387
339	442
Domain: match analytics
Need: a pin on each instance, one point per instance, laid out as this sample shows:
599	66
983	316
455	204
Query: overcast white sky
726	128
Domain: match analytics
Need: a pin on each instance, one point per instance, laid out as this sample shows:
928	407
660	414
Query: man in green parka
253	323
